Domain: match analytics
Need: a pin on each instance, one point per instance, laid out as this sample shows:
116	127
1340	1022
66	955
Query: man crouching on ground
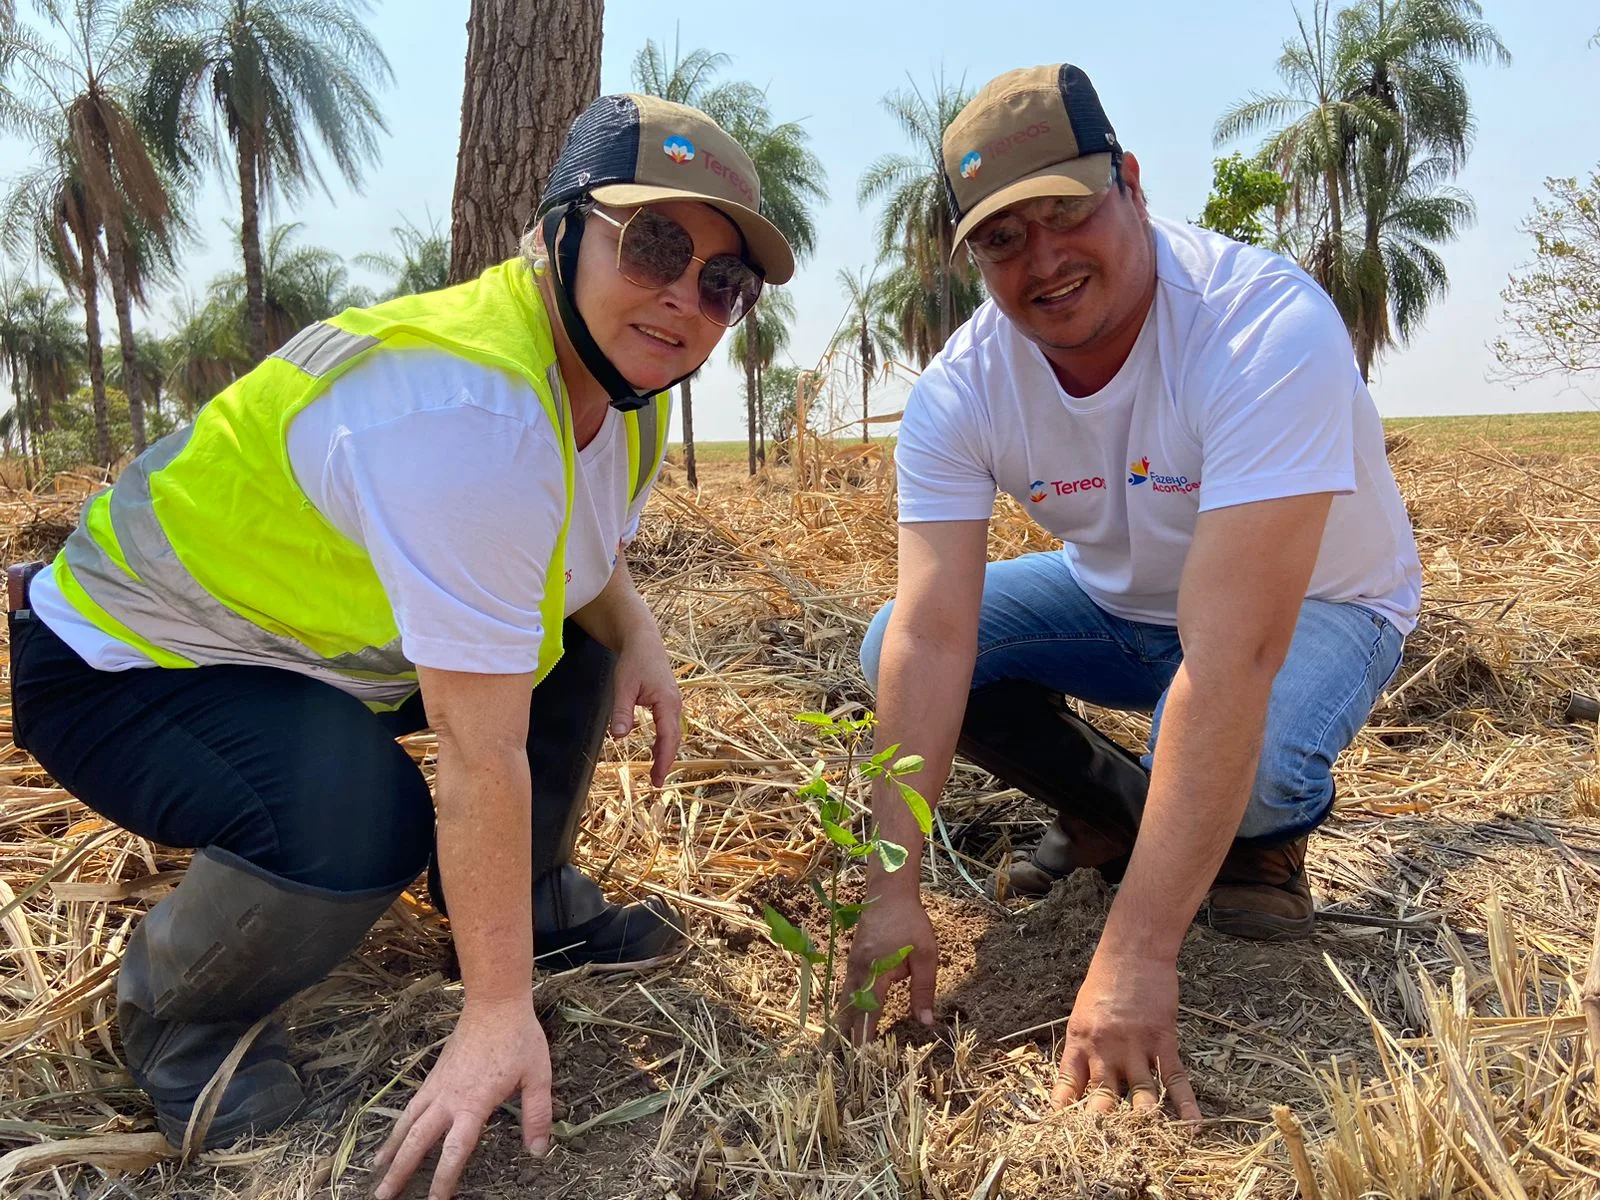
1185	413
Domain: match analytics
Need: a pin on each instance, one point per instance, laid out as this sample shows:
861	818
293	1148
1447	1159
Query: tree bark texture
117	260
688	435
95	356
532	67
255	300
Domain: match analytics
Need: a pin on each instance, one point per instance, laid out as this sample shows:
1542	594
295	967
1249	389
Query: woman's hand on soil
495	1051
644	679
1122	1038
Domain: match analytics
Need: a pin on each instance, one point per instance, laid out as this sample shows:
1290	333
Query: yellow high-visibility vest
207	550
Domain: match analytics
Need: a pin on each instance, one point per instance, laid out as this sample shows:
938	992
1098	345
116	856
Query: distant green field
1525	433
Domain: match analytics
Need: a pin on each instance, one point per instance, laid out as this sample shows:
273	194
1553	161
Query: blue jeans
1037	624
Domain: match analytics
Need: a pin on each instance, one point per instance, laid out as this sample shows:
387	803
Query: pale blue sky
1164	70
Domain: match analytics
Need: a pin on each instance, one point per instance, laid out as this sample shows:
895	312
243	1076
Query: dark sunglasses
653	251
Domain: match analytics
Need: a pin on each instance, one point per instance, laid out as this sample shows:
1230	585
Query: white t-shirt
1241	387
449	474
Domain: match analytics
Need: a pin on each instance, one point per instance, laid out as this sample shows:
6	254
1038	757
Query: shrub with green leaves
841	812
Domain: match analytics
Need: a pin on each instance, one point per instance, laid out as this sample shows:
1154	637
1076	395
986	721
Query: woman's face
652	335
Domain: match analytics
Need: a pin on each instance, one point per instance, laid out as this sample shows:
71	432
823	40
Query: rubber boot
1025	735
1262	893
573	922
227	948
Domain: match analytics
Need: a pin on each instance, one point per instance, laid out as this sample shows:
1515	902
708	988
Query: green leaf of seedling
918	806
909	765
820	720
893	856
816	788
840	836
864	1000
845	916
876	765
886	964
862	849
835	810
789	937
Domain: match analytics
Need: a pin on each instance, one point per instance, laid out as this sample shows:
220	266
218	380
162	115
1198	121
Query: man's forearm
922	688
1204	769
485	859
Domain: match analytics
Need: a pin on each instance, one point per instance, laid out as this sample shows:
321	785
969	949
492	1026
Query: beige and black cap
1039	131
628	150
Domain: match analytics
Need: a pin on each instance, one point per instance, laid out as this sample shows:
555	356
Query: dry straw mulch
1428	1041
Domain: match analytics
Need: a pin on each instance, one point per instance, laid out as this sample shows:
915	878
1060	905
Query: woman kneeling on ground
410	516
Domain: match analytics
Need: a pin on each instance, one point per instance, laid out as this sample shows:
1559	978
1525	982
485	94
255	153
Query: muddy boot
1025	735
573	922
1262	893
229	946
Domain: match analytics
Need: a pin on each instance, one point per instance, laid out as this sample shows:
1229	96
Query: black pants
285	771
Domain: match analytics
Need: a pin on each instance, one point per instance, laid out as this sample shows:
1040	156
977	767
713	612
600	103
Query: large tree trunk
255	300
750	391
117	259
96	358
688	435
532	67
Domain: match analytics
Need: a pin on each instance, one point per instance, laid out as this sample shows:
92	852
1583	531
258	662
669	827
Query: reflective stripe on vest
206	551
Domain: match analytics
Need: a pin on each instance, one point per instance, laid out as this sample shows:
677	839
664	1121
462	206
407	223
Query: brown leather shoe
1261	893
1068	845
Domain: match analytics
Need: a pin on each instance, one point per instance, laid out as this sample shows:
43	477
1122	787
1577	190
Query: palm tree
687	79
916	222
422	264
1315	123
206	352
1400	275
793	180
913	307
274	75
76	90
1374	122
43	351
867	333
757	342
300	285
1406	56
51	211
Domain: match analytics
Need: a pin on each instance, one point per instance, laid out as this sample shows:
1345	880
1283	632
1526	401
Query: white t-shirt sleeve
1275	399
459	508
942	470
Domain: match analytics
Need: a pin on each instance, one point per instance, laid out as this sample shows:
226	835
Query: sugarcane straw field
1435	1037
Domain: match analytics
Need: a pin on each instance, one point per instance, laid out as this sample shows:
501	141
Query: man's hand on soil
891	921
1122	1038
495	1051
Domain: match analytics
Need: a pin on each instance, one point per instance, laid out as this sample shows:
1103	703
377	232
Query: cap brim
768	248
1089	175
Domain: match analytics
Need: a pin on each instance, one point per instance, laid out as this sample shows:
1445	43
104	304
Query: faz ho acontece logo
1140	472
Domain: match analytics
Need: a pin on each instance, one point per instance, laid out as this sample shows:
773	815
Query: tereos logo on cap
970	164
678	148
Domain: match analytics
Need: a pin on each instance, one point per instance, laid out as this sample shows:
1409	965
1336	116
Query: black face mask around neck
566	241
